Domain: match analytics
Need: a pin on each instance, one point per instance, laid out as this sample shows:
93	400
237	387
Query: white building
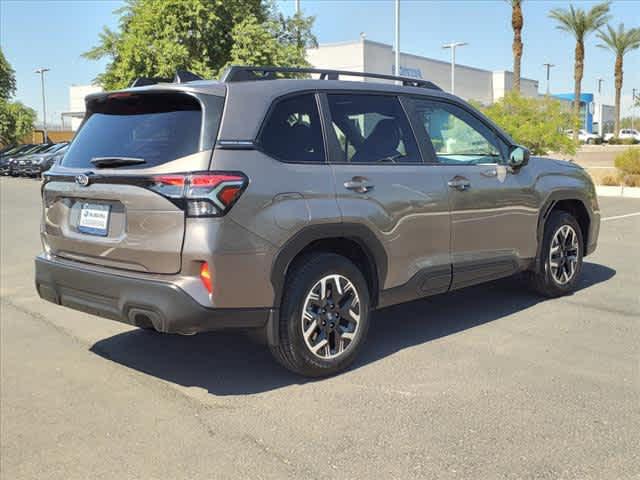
76	102
364	55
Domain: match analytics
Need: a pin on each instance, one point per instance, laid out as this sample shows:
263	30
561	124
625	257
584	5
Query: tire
590	141
344	285
558	274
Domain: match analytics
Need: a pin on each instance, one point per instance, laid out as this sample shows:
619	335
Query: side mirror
518	157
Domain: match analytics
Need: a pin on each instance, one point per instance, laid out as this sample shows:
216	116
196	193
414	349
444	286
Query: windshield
156	128
55	148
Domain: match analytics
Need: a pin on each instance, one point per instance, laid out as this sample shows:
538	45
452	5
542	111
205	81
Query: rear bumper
143	303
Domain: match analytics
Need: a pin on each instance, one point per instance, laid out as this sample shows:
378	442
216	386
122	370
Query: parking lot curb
608	191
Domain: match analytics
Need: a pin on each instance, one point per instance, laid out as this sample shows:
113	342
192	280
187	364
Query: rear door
111	202
381	181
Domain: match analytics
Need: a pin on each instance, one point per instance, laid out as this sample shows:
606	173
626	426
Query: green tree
157	37
620	42
517	23
278	41
580	23
538	124
7	79
16	120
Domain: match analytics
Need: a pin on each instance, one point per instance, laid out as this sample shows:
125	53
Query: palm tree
517	22
580	23
620	42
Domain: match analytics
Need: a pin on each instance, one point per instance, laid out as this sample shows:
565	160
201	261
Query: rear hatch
110	201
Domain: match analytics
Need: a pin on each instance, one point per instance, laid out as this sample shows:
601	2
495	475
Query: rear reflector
205	276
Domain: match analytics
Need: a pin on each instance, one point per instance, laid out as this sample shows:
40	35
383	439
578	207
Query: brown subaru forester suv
294	207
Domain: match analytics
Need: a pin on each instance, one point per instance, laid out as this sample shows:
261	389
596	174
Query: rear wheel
324	315
560	256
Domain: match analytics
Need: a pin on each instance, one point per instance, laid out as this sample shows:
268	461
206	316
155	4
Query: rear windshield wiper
105	162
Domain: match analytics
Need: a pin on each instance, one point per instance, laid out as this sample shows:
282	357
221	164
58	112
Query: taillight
204	195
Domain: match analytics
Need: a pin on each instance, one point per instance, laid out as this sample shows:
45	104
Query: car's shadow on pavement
231	364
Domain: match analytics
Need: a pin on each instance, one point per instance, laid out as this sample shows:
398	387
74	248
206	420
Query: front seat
381	143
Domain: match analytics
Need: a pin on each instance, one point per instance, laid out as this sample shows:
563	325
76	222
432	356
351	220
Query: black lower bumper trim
143	303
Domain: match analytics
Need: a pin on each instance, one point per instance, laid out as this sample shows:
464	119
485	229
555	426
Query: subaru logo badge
82	180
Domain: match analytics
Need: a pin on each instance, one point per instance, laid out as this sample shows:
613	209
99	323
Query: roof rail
181	76
239	73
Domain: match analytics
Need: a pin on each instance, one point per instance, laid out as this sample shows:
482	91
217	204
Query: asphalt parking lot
484	383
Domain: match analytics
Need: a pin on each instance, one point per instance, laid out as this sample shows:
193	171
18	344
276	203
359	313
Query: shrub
537	123
610	180
632	180
628	162
622	141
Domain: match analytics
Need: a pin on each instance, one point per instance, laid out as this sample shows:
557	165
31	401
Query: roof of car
248	101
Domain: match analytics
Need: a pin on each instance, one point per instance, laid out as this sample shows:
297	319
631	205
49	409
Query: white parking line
621	216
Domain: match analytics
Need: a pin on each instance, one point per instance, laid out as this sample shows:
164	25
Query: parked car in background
7	148
8	161
34	164
629	133
625	133
302	208
19	163
584	136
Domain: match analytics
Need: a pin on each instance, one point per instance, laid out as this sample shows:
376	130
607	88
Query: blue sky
53	33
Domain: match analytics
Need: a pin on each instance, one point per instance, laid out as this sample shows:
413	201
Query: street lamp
548	66
599	81
634	98
42	71
397	68
453	46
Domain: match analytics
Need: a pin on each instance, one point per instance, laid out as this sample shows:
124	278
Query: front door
494	211
381	180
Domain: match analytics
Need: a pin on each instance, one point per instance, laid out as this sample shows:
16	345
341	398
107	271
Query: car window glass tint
154	127
457	137
292	132
372	129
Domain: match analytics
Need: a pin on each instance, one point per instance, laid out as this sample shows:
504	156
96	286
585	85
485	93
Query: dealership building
485	86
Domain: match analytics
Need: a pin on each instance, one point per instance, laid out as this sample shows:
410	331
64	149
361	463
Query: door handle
358	184
459	183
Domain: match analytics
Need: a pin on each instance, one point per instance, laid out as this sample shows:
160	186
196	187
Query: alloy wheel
331	317
563	254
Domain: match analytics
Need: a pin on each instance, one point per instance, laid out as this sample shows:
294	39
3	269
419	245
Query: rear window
154	127
292	132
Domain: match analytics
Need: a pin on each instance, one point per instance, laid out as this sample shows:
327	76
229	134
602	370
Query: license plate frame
94	219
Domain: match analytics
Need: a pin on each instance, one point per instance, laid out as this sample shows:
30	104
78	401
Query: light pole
548	66
42	71
633	105
453	46
599	81
397	66
297	7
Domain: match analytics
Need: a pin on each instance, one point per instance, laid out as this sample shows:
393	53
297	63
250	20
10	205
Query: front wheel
324	315
560	256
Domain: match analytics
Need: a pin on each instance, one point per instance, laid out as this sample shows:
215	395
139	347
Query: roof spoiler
239	73
181	76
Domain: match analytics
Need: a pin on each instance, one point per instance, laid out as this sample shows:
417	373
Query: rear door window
292	132
372	129
156	128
